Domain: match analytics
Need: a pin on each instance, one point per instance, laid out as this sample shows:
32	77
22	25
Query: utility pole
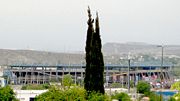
161	75
129	62
75	75
107	76
128	73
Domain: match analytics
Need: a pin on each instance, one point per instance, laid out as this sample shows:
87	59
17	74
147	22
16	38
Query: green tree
7	94
121	97
154	97
52	94
176	86
75	93
67	80
172	99
176	97
143	87
94	80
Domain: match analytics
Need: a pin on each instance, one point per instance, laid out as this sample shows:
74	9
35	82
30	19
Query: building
2	80
40	74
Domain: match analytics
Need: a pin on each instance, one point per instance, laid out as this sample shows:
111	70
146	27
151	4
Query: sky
61	25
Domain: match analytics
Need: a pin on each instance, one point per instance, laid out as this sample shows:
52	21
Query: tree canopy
121	97
75	93
176	86
67	80
7	94
57	94
143	87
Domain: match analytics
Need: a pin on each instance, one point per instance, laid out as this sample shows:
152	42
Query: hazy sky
60	25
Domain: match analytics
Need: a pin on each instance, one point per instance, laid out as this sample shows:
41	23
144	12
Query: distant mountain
38	57
141	53
113	52
139	48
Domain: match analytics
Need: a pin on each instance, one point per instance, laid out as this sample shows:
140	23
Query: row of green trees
77	93
74	93
67	92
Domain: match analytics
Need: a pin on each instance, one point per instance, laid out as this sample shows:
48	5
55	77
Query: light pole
161	75
162	53
107	77
129	62
128	73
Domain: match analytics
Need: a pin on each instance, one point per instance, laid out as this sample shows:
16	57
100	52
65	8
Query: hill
113	53
38	57
139	48
141	53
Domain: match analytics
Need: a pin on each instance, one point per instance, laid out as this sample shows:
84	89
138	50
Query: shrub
56	94
176	86
143	87
74	93
121	97
154	97
172	99
7	94
35	87
116	85
177	96
52	95
67	80
93	96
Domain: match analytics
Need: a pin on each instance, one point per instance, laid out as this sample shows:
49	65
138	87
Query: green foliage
94	96
55	94
153	96
116	85
177	97
94	80
67	80
35	87
176	86
131	84
53	80
172	99
7	94
46	86
143	87
75	93
52	95
121	97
